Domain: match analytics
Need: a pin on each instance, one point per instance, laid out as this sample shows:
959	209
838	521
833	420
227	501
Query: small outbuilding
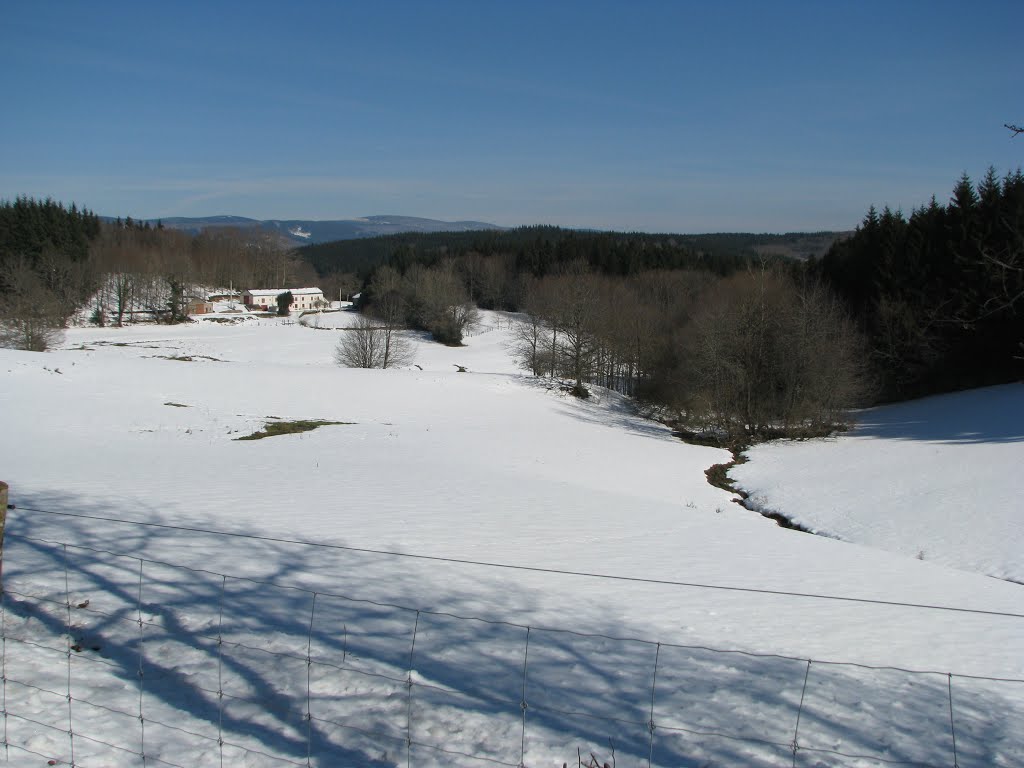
198	307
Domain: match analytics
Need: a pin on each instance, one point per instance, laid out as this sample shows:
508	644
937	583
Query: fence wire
134	661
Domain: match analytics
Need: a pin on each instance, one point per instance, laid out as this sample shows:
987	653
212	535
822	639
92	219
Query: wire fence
110	659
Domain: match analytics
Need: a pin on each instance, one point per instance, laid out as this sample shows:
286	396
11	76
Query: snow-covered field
938	479
238	638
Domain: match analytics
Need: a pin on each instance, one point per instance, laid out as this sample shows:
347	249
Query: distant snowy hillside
306	231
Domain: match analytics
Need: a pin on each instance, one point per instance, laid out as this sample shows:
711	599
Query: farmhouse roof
278	291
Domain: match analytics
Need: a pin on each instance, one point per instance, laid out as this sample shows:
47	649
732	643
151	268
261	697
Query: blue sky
673	116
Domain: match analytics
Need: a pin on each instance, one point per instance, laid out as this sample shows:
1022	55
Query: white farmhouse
266	298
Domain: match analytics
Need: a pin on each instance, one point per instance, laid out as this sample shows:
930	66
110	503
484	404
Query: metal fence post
799	713
522	704
650	723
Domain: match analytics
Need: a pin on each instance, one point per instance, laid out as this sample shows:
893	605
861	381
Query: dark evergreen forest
940	294
45	269
35	229
543	250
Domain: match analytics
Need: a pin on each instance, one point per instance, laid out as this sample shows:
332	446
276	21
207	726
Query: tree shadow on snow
603	408
231	664
988	415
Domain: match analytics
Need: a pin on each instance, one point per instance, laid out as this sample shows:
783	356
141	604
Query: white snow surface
938	479
423	661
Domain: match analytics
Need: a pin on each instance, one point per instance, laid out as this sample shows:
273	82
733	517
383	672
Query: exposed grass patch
136	344
274	428
177	405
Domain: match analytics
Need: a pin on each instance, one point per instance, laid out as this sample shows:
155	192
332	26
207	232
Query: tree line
764	350
541	250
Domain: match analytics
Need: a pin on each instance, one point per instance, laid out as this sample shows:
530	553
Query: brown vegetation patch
273	428
189	358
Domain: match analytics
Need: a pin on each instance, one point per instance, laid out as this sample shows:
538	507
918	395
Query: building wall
301	301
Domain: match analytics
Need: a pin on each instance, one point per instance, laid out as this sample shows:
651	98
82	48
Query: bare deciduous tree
498	283
541	304
440	303
369	344
765	355
529	334
577	315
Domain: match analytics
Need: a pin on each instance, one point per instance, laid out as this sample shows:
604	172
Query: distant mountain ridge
307	231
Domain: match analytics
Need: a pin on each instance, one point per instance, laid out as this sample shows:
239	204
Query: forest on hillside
540	250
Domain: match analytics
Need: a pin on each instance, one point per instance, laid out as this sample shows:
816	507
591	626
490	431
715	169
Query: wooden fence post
3	521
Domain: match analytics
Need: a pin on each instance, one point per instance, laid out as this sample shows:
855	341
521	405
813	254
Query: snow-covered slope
938	479
484	466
